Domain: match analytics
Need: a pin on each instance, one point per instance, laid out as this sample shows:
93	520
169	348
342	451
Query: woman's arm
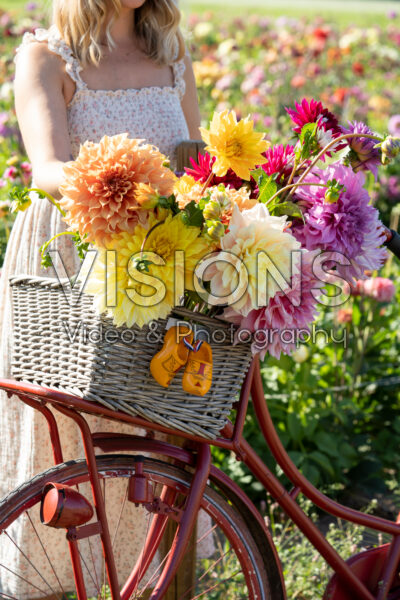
42	114
190	102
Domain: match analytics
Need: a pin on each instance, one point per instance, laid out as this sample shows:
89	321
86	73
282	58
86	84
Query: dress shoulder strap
57	45
179	71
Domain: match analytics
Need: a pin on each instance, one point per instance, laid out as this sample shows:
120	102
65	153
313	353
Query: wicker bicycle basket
61	342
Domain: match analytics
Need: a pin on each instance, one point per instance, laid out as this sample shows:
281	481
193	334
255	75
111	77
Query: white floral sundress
154	114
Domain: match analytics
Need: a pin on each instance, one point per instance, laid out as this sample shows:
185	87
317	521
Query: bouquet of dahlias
243	234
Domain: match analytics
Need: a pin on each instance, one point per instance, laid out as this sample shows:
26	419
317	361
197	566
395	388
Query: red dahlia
202	169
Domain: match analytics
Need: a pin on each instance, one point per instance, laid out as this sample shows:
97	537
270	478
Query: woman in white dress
103	67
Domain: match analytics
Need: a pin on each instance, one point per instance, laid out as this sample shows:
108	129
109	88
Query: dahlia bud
19	206
212	210
390	148
344	315
12	161
219	195
332	196
333	192
301	354
20	200
215	230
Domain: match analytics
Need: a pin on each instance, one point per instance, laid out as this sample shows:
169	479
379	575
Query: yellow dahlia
234	144
100	190
147	284
187	189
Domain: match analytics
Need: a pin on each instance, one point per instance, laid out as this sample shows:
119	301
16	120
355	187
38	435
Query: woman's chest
153	114
126	72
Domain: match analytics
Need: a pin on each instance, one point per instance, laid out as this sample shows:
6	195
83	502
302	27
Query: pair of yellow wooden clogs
179	350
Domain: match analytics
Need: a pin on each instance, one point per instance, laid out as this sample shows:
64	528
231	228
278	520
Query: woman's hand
42	114
190	102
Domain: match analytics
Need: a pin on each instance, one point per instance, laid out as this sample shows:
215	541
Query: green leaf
46	261
192	215
170	203
356	313
294	427
308	141
287	208
259	176
267	190
309	130
80	244
323	461
311	473
296	457
327	442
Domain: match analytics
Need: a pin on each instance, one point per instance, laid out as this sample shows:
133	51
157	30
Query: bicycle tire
264	569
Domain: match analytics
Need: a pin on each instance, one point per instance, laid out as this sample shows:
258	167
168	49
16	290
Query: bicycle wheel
232	560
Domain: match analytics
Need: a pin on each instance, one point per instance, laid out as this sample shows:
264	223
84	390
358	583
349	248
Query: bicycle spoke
120	516
30	562
220	544
22	579
46	554
214	564
213	587
3	595
88	570
141	558
94	564
153	577
103	591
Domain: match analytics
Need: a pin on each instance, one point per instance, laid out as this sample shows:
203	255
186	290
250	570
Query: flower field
338	411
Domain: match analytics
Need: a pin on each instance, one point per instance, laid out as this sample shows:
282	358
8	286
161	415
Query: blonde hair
83	22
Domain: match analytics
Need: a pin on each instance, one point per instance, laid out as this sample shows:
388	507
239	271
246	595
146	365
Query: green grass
361	12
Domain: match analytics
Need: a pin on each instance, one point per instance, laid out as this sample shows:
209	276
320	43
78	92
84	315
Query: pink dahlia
285	321
313	112
279	159
201	170
363	155
394	125
378	288
350	225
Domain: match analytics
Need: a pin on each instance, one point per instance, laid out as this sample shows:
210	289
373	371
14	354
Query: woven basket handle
186	150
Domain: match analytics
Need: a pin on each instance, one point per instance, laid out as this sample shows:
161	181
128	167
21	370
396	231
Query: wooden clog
197	377
172	356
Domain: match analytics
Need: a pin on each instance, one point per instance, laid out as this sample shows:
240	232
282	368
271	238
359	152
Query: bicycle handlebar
393	242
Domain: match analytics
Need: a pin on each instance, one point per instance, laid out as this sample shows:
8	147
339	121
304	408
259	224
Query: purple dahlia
363	155
350	225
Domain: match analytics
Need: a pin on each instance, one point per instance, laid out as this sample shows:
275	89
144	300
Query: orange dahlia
103	188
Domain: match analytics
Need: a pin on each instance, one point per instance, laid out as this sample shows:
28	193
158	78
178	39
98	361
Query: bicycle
175	491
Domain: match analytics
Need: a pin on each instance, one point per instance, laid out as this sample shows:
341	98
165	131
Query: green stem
294	185
50	198
346	136
292	174
47	244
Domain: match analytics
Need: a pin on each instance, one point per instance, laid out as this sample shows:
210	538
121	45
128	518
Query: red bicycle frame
351	576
